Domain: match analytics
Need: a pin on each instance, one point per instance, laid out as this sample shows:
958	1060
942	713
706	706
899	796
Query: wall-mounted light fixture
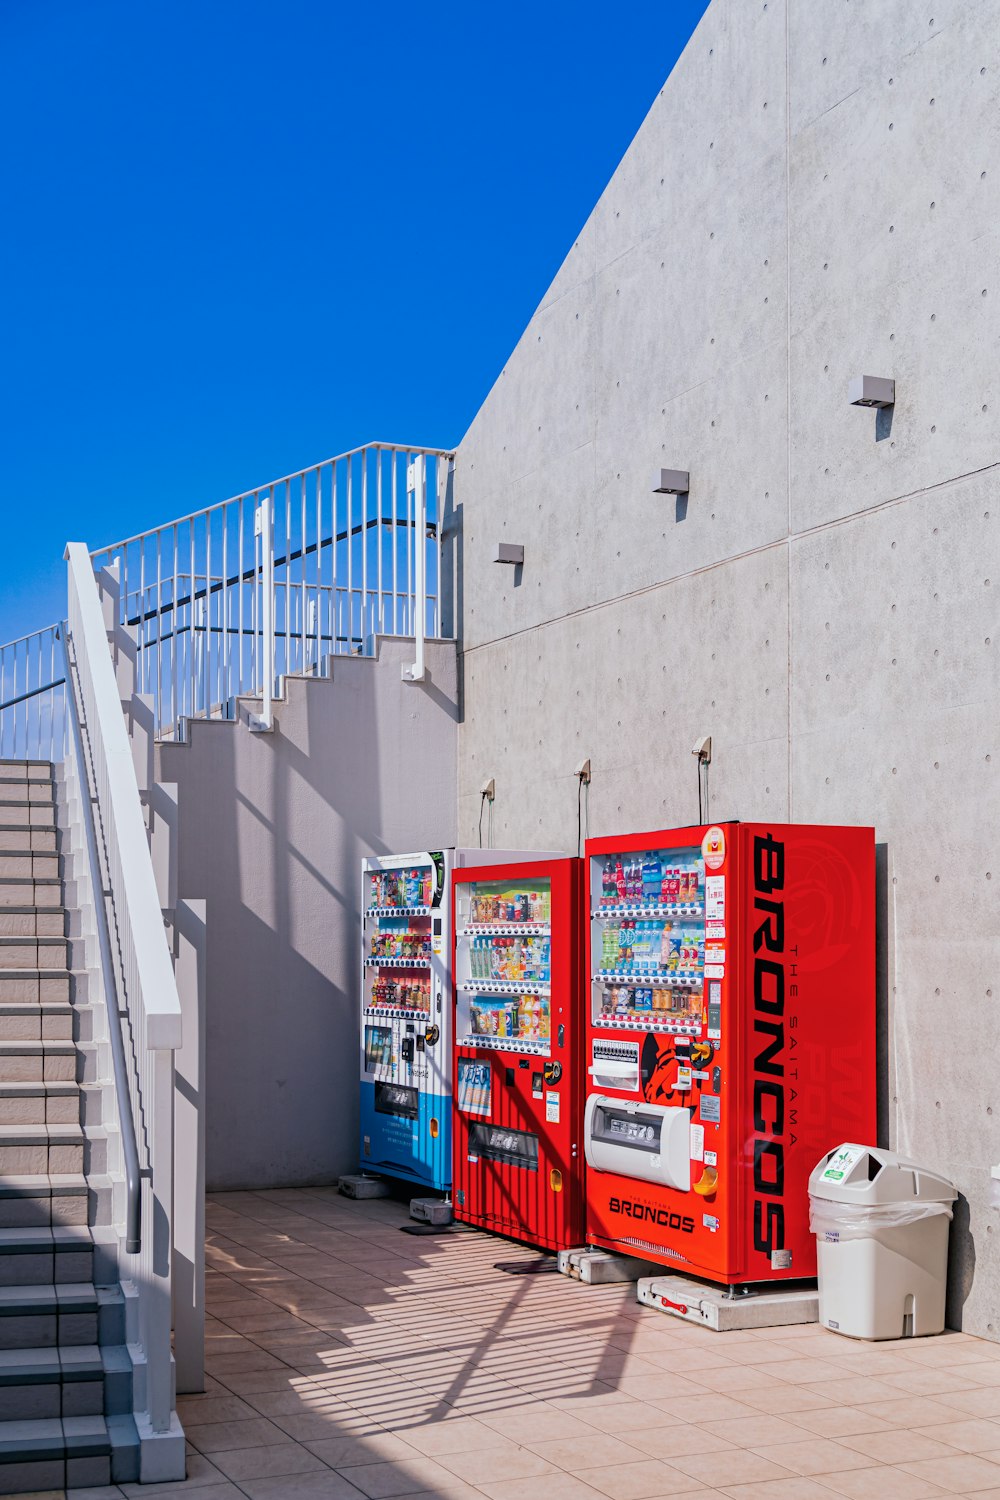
509	552
871	390
671	482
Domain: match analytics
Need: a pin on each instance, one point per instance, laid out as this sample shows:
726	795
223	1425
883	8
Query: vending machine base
713	1307
358	1185
600	1268
431	1211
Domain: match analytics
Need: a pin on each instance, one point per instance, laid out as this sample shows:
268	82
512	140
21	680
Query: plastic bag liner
835	1222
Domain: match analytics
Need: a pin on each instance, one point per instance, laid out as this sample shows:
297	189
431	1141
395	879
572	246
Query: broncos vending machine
518	1160
730	1039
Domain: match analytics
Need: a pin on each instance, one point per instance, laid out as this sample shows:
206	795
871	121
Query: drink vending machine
730	1039
518	1162
406	1051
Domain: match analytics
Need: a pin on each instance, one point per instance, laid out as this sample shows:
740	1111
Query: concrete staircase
65	1371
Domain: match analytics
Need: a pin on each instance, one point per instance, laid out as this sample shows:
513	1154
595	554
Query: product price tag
716	930
715	898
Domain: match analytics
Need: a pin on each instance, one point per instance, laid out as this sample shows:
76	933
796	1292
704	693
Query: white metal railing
32	697
149	1008
278	580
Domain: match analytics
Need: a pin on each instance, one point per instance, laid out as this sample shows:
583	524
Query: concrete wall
272	831
815	194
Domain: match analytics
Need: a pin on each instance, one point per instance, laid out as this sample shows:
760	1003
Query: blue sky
240	237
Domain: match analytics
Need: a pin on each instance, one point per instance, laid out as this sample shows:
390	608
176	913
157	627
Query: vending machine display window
503	966
648	938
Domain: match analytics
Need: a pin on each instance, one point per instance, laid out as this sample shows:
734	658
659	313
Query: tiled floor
348	1359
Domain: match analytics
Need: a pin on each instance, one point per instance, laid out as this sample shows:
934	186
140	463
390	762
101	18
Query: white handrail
147	990
229	600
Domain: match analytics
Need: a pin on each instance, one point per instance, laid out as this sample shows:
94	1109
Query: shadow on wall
273	830
883	1082
961	1263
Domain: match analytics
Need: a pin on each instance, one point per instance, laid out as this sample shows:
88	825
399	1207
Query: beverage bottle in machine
620	886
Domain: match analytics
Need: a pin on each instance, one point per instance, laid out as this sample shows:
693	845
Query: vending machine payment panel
518	1157
730	1039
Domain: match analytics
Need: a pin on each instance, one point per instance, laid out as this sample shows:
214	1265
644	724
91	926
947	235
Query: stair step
52	1149
40	1256
79	1381
47	1316
25	767
48	1062
26	791
39	1103
34	986
34	839
23	1021
21	815
20	865
33	953
16	891
32	921
65	1452
40	1200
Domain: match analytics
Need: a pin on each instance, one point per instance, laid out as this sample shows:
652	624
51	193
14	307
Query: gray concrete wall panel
824	602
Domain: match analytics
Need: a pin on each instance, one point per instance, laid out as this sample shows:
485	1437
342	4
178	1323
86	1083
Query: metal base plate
360	1186
431	1211
713	1308
600	1267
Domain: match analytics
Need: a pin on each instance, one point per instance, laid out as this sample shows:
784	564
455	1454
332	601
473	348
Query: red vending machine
518	1157
730	1039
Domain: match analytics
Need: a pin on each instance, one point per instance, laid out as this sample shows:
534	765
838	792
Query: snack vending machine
406	1054
518	1159
730	1039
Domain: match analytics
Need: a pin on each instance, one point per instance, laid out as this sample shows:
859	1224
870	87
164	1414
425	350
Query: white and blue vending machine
406	1012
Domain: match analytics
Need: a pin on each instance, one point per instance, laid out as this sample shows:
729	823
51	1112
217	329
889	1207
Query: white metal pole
267	580
416	480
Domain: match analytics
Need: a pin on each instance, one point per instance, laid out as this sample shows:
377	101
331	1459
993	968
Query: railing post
263	527
416	481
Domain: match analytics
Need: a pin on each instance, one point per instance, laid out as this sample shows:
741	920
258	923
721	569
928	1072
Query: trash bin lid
867	1174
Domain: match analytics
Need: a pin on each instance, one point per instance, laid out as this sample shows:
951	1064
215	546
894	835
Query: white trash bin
881	1224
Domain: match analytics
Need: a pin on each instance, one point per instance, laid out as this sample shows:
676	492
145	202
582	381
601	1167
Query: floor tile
962	1474
882	1482
597	1450
325	1486
263	1463
971	1436
753	1432
734	1466
483	1466
813	1455
799	1488
559	1486
897	1446
647	1479
383	1480
214	1437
